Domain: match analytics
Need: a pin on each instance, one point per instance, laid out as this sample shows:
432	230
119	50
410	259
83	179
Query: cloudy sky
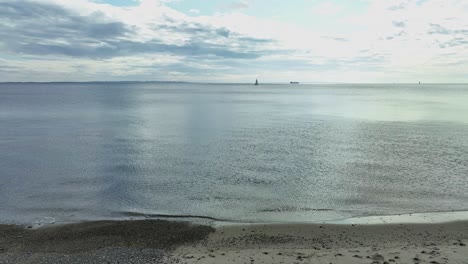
234	41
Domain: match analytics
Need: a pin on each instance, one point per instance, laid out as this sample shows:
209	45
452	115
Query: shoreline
410	218
406	218
162	241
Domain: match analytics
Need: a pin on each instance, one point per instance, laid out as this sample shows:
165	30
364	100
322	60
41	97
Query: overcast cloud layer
381	41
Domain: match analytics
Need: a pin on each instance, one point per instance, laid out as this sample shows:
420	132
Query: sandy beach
180	242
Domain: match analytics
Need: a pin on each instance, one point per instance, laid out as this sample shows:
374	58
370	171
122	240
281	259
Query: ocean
231	152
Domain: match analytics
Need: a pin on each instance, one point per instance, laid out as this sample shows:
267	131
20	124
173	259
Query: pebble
377	257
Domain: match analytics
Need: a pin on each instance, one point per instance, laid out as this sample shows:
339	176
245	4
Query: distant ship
294	82
256	81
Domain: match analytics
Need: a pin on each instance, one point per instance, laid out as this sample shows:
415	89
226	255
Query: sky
358	41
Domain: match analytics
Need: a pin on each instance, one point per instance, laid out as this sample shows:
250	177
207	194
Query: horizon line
200	82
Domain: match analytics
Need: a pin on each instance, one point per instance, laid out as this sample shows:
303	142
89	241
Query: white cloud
390	39
194	11
238	5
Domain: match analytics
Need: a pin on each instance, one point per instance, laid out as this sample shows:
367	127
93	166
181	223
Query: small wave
146	215
294	209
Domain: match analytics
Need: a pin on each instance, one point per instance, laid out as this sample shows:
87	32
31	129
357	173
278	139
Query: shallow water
264	153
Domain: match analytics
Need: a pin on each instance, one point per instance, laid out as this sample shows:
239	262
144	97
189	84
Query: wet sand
98	242
159	241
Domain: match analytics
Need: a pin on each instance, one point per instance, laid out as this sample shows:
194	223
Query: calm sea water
236	152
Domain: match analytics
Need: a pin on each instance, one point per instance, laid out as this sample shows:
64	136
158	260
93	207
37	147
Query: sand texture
98	242
390	243
161	241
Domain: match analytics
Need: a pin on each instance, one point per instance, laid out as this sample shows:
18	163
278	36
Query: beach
160	241
234	131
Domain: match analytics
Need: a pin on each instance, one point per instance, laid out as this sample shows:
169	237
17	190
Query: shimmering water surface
237	152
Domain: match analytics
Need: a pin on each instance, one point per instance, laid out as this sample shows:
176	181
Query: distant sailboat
256	81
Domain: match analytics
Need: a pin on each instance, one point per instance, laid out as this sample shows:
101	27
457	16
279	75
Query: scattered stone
378	257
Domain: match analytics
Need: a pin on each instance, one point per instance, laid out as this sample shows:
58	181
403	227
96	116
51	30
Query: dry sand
177	242
314	243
